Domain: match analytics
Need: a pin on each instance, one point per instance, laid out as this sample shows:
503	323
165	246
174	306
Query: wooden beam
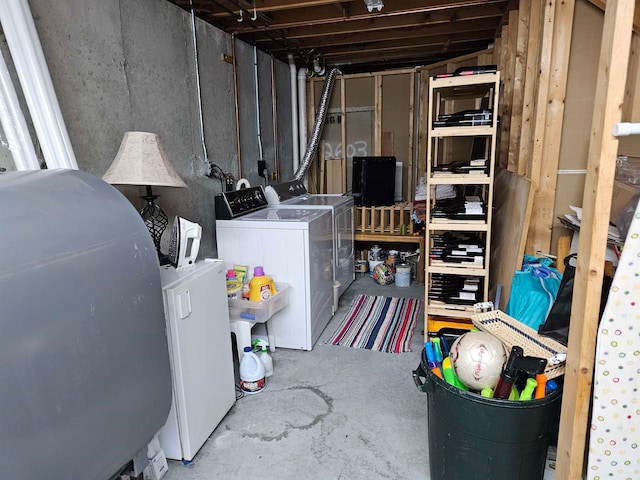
585	306
423	121
318	165
530	86
519	78
509	41
539	124
460	59
542	217
343	130
377	129
410	153
369	33
632	79
544	65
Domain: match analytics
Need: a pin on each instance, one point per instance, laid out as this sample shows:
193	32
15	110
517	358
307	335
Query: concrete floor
331	413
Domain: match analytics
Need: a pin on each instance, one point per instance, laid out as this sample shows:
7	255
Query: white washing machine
294	195
294	246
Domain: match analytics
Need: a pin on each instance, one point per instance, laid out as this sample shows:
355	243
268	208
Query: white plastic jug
267	361
252	372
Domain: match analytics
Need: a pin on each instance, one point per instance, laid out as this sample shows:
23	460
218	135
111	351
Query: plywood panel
570	188
581	86
333	171
513	199
397	98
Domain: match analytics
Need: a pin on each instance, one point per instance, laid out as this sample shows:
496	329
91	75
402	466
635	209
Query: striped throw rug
384	324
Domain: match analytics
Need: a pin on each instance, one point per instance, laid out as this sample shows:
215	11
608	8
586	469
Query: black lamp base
156	221
163	259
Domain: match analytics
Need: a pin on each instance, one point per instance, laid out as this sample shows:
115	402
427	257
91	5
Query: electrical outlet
228	179
206	168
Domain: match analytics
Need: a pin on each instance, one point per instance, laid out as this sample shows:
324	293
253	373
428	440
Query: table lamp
141	160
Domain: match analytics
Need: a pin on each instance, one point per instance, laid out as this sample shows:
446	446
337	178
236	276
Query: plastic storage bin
473	437
260	312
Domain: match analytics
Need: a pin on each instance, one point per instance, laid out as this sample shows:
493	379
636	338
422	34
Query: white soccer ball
477	359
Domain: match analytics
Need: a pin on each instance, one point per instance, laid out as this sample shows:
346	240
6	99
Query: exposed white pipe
625	129
294	112
28	58
255	72
14	124
302	109
197	74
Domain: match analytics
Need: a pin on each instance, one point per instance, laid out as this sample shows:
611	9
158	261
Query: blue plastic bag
533	291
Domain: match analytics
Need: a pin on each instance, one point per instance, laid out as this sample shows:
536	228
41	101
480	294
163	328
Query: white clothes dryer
294	195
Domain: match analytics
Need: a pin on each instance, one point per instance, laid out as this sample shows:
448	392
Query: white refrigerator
199	338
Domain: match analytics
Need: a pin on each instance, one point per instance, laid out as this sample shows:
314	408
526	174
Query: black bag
556	325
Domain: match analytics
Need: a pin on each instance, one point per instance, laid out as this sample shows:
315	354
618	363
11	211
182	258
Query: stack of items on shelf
461	207
467	118
457	248
475	166
455	289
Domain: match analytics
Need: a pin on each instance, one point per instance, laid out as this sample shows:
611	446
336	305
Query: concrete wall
130	65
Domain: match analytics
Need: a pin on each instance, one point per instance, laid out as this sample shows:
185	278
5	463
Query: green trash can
477	438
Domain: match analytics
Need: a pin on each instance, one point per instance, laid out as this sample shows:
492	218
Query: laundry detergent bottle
261	287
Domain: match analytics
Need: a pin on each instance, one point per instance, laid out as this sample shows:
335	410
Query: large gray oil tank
84	365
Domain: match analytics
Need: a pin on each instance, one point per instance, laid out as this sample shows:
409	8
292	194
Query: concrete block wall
121	65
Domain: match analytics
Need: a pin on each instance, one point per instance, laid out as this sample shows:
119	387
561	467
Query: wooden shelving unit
391	225
457	240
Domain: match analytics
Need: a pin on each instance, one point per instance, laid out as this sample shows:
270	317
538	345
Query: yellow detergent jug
261	287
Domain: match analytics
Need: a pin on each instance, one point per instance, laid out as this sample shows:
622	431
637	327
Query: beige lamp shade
141	160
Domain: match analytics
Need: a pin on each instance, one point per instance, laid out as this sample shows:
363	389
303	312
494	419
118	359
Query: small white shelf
260	312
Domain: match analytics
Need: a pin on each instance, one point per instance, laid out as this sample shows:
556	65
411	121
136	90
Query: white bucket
403	275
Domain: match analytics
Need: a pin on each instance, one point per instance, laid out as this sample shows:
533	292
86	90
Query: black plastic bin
477	438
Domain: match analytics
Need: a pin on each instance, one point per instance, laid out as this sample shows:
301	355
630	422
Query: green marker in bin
450	376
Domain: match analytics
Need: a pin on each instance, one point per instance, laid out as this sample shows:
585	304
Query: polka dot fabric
614	441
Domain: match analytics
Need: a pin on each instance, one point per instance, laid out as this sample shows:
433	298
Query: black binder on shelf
474	118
